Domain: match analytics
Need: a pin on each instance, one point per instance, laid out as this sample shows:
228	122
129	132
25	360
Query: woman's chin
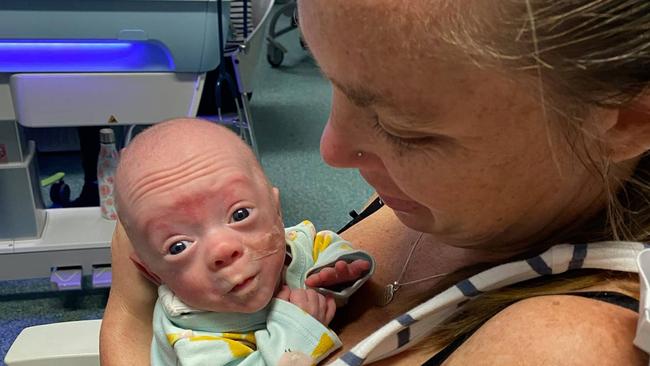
417	220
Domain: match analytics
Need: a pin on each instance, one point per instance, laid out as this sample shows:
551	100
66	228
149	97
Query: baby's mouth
242	285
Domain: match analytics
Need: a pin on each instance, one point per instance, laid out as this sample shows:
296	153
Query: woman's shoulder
557	329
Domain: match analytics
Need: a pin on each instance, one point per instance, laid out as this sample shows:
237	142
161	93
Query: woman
492	131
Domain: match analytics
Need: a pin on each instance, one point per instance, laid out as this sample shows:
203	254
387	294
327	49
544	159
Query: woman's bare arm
554	330
126	332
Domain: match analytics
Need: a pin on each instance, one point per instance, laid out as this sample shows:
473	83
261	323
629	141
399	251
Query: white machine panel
70	343
77	99
6	246
70	228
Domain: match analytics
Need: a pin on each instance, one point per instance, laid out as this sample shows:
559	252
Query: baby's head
201	215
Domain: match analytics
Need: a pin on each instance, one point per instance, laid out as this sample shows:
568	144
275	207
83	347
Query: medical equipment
86	231
87	62
70	343
231	57
275	50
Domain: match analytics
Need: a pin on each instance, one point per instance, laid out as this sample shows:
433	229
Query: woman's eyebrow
360	96
364	98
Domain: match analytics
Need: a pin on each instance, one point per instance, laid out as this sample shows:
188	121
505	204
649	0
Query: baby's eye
178	247
240	214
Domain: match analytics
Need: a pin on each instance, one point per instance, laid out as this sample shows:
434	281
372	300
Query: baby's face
211	231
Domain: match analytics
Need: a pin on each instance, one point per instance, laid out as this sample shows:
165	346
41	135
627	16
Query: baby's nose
225	253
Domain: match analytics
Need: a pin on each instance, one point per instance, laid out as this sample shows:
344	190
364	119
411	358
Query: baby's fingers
359	266
343	271
325	277
331	310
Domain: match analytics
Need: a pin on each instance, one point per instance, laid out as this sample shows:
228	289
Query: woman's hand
342	272
126	332
315	304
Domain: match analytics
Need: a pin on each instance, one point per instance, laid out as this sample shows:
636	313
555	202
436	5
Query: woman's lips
398	204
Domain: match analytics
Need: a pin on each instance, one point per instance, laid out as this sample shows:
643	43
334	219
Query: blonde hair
580	54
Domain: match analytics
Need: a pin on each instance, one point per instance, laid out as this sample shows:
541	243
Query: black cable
223	77
222	56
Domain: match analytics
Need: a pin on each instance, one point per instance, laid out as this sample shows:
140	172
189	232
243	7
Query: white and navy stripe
241	20
409	328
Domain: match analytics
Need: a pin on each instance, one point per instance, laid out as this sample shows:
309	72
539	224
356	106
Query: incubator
80	63
94	62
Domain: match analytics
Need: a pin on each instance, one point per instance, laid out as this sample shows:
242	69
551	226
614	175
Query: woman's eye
403	142
178	247
240	214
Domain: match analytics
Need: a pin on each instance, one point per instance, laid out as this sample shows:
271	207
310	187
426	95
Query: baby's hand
315	304
342	272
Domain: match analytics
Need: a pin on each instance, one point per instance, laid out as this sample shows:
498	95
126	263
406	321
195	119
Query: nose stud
359	154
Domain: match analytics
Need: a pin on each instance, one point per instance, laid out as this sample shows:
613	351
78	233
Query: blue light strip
83	56
60	45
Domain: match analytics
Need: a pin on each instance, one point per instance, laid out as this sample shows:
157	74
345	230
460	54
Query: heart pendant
389	293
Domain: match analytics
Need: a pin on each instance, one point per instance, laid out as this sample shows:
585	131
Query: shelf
69	229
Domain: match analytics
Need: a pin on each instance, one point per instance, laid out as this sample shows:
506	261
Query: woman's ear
629	136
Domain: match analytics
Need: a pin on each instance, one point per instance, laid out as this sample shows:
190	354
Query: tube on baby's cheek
276	239
264	254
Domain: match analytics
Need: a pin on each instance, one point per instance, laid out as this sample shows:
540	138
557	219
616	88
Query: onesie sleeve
330	248
312	251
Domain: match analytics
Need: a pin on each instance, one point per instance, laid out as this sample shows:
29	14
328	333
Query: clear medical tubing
106	165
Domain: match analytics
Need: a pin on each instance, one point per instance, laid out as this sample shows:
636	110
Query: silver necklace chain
391	289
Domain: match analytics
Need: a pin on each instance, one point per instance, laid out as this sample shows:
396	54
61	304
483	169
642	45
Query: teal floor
289	108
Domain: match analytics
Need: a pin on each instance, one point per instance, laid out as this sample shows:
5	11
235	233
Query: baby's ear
276	198
144	269
629	136
276	195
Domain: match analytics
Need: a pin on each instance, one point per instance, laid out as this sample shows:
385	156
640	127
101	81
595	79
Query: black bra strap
357	217
610	297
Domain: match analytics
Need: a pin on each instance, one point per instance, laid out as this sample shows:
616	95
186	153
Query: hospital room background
289	106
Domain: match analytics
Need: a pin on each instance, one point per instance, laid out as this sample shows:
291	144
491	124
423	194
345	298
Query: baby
205	224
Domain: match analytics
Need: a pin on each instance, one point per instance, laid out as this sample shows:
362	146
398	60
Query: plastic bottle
106	165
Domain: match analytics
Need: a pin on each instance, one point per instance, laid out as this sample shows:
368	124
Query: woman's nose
345	142
343	148
335	148
224	252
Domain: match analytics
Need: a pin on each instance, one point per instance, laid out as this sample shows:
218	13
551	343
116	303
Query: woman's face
457	151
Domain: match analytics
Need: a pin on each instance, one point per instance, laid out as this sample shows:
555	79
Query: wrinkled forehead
199	185
177	146
182	162
209	168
